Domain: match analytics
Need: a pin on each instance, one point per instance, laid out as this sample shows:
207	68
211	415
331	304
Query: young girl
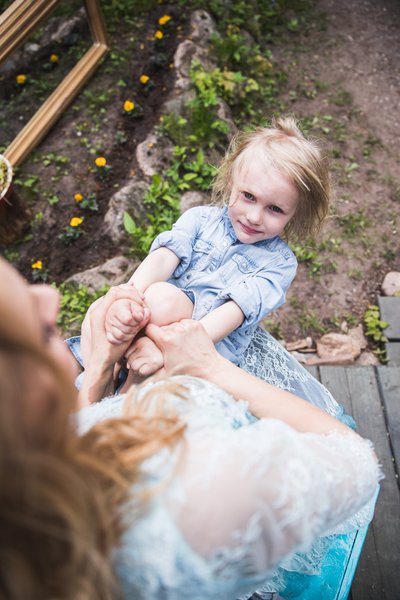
228	266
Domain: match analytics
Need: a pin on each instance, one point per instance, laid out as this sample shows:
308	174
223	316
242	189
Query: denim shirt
216	267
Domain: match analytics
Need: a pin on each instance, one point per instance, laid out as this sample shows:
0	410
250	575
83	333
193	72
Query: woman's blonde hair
59	493
284	147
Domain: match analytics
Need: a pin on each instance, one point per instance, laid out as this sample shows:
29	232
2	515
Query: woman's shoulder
196	401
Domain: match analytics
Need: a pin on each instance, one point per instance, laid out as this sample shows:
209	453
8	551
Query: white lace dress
235	505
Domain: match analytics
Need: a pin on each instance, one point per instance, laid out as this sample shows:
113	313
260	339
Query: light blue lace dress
241	503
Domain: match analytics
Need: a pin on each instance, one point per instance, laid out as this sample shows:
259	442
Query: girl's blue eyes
272	208
248	196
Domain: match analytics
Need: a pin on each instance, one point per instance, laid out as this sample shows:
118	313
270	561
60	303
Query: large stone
357	334
154	154
367	359
191	199
113	272
334	345
185	54
338	360
128	199
202	27
391	284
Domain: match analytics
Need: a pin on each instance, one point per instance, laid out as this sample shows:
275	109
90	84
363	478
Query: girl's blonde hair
59	493
284	147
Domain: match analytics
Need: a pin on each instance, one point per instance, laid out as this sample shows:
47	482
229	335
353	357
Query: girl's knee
167	303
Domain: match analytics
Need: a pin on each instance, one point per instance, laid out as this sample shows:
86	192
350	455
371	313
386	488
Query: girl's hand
186	348
101	348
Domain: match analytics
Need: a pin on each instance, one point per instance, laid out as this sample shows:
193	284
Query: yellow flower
37	265
78	197
159	35
128	106
54	58
21	79
76	221
164	20
100	161
144	79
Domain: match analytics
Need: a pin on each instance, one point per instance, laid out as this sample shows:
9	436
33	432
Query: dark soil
41	240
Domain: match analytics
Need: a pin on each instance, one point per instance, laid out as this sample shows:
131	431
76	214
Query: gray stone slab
393	353
390	311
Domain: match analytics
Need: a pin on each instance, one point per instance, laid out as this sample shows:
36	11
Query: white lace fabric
247	497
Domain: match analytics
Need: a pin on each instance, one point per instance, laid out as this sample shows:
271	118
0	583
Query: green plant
74	303
73	231
309	321
373	324
88	202
308	253
353	222
165	195
274	328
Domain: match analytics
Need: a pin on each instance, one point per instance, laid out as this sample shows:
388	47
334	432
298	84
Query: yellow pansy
164	19
21	79
78	197
144	79
129	105
54	58
100	161
37	265
159	35
76	221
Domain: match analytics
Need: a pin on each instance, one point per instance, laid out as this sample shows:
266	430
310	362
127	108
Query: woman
177	495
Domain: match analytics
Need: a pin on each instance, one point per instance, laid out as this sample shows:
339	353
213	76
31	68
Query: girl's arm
223	320
159	265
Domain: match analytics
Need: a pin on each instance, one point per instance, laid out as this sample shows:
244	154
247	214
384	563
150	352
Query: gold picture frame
16	23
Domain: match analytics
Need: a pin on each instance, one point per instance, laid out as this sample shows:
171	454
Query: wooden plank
377	575
312	370
393	353
389	382
335	379
390	312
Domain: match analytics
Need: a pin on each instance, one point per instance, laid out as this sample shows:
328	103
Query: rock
305	343
154	154
334	346
357	334
191	199
176	104
185	54
59	28
391	284
300	357
338	359
127	199
367	359
113	272
202	27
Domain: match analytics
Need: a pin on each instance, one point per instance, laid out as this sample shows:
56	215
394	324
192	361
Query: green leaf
129	224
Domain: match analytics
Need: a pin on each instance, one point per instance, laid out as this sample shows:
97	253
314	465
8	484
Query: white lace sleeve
253	495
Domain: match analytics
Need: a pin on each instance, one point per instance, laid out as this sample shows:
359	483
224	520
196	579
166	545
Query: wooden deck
372	396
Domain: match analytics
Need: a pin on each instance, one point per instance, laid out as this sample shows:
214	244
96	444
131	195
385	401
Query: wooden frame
16	23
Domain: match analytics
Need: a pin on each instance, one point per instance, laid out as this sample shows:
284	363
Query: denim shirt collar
228	224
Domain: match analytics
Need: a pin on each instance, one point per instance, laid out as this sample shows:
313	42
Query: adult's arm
187	349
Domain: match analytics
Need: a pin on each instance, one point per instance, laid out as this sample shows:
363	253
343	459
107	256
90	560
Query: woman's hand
101	355
186	348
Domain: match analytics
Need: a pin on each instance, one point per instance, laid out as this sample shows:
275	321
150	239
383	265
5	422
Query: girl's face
28	315
262	200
